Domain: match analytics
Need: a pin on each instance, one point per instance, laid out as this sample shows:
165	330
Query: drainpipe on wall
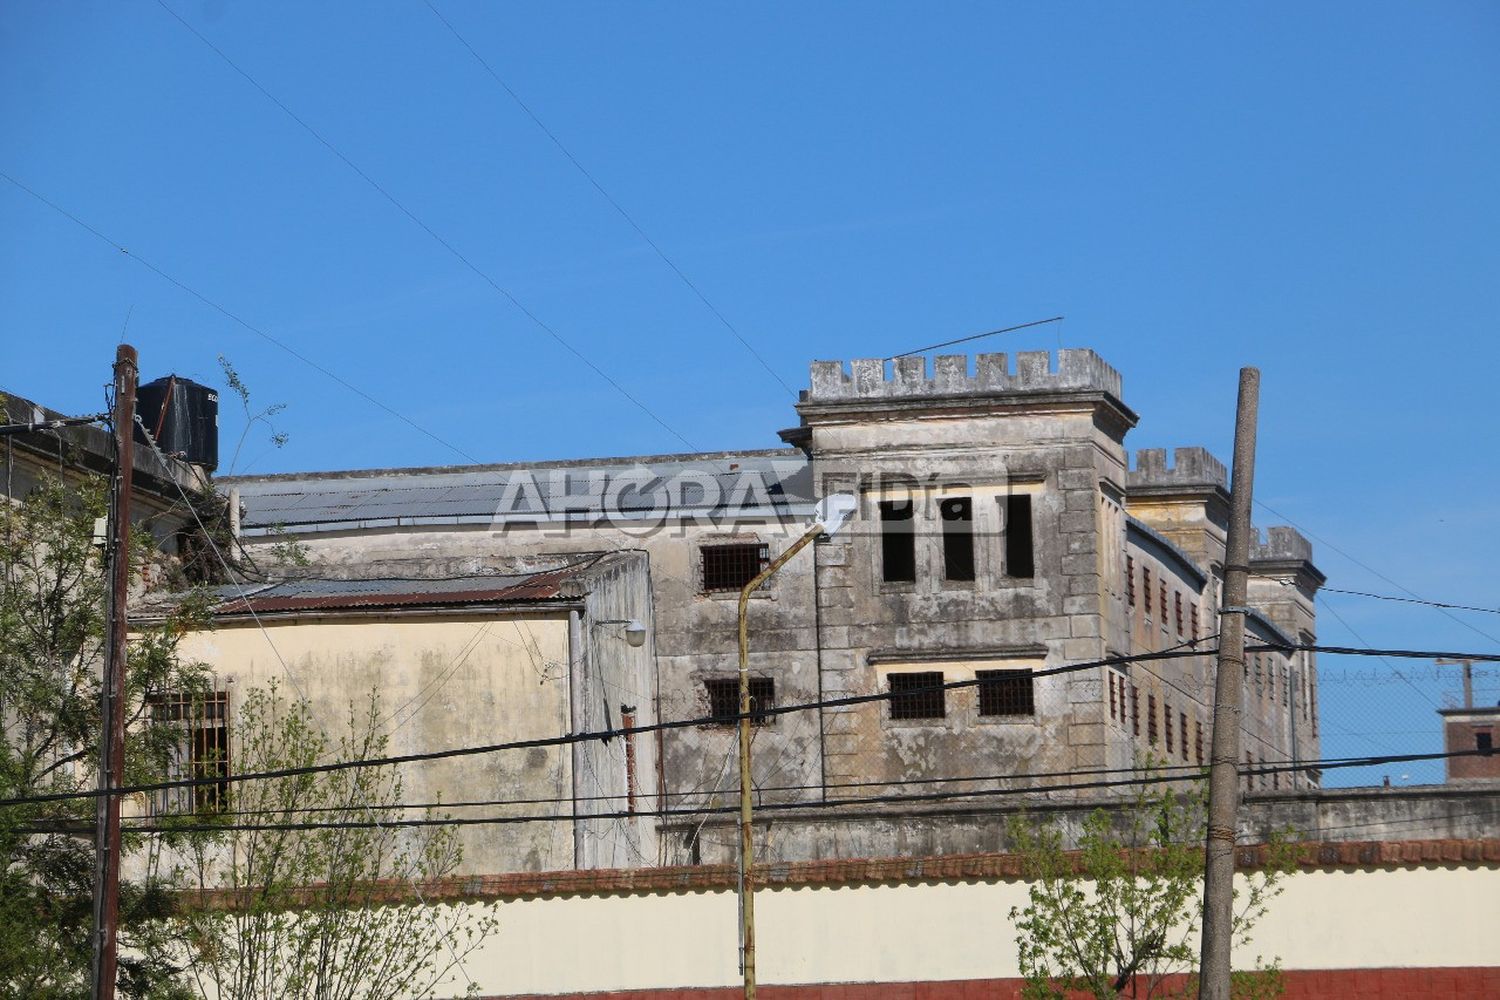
575	668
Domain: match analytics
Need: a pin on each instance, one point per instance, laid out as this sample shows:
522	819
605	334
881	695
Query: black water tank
183	416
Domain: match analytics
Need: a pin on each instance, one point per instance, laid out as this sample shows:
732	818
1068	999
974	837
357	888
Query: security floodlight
635	633
833	510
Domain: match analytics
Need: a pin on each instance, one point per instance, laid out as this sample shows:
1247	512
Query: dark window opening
1182	718
958	538
1006	692
1135	710
1166	718
1146	587
1164	605
1020	556
1151	719
202	752
1195	621
1112	712
918	695
1130	580
898	542
1198	742
1177	609
724	699
1484	742
730	567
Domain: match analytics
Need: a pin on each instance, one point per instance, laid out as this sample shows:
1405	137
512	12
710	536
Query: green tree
52	635
323	913
1120	916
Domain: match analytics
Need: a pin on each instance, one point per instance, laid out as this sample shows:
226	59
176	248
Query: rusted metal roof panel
330	595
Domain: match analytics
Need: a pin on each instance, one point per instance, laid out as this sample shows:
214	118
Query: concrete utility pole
112	690
1223	775
830	515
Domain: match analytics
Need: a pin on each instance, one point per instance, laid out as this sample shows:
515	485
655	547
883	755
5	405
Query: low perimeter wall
1378	919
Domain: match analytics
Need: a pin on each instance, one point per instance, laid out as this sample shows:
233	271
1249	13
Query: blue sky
1308	188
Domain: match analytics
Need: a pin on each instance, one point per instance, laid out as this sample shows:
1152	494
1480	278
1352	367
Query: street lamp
828	517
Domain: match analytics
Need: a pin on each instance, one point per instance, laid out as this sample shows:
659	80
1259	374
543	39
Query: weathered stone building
1002	534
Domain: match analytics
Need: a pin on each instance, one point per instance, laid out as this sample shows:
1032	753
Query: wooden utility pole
112	690
1223	775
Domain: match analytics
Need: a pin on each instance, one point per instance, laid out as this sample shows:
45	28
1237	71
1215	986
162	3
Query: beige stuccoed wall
904	933
447	681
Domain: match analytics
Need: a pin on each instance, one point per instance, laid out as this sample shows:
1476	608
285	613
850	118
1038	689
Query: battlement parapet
1281	543
1078	370
1193	466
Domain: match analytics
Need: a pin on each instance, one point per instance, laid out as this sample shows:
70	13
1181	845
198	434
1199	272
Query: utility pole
1223	775
1468	666
828	518
112	690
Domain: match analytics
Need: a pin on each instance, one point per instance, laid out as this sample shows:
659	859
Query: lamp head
834	510
635	633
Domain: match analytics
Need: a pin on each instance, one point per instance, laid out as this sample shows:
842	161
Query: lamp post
828	517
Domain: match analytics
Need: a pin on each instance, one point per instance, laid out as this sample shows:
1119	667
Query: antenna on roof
977	336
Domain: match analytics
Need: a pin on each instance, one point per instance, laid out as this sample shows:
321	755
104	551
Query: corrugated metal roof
778	483
311	595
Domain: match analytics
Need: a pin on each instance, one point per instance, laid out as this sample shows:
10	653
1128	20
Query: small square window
724	699
1484	741
918	695
730	567
1007	692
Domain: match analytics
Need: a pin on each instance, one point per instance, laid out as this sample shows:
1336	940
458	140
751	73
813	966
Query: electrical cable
568	739
441	241
810	806
610	198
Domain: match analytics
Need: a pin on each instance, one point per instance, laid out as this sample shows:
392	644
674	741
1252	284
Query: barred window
1177	609
724	699
1182	718
1198	741
1195	619
918	695
730	567
201	752
1166	718
1151	719
1130	580
1146	587
1135	711
1005	692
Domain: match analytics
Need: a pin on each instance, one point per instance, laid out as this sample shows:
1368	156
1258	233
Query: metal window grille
724	699
1198	742
1006	692
1146	587
1166	718
1135	711
730	567
1177	609
1163	605
919	695
1130	580
1182	718
1112	713
1151	719
202	751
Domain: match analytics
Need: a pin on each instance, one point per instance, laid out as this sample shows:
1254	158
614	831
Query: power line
1411	600
811	806
568	739
441	241
1375	572
221	310
977	336
608	197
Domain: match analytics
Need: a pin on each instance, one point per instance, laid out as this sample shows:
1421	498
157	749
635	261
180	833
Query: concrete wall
874	923
957	828
447	681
